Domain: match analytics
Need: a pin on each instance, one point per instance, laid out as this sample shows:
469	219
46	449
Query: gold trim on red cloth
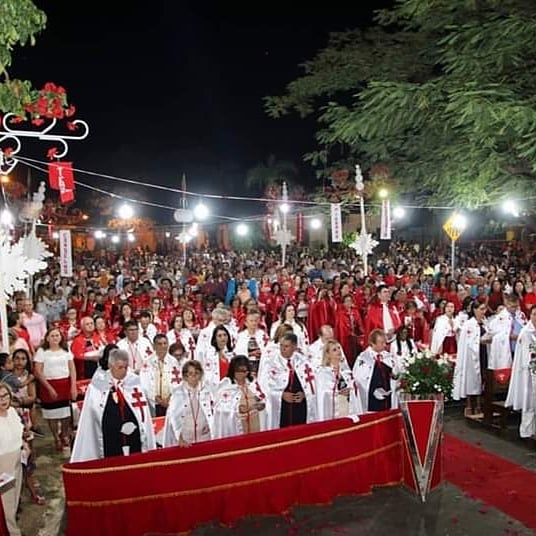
223	487
260	448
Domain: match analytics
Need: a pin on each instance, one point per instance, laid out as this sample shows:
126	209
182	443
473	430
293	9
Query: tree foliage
20	21
439	91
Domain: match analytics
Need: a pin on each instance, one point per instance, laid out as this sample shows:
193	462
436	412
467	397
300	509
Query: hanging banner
66	254
385	228
267	227
299	227
61	177
336	222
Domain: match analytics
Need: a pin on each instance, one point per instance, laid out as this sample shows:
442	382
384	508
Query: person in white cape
337	394
444	333
288	380
471	358
159	375
504	327
522	388
252	341
115	418
316	349
375	373
190	415
241	407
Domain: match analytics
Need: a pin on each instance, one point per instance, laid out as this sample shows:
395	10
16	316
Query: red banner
299	227
223	480
61	177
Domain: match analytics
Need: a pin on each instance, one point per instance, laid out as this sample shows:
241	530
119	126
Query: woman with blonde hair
336	389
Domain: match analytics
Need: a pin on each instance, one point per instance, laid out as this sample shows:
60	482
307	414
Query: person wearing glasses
189	418
241	405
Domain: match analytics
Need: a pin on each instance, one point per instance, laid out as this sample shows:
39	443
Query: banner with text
336	222
66	254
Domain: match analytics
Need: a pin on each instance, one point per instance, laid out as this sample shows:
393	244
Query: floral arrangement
532	358
426	373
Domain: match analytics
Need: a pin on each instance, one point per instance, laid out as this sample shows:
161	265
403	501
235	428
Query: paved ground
392	511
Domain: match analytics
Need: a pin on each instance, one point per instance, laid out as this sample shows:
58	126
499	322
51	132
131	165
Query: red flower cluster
50	102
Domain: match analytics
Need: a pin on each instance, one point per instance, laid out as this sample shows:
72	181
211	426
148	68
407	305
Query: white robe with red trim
89	443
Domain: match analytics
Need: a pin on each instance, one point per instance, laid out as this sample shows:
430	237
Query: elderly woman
11	431
189	418
336	390
240	406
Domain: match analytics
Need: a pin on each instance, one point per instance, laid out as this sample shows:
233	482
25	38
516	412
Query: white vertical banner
66	254
385	228
336	222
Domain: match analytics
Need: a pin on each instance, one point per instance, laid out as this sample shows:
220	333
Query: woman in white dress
217	357
336	389
472	358
240	406
189	418
56	374
178	333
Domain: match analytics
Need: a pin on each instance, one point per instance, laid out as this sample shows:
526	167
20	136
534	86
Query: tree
438	91
271	173
20	21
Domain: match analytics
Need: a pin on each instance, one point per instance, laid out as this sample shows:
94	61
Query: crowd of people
233	343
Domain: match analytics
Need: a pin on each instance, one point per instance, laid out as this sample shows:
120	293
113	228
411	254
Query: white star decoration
364	244
15	267
33	248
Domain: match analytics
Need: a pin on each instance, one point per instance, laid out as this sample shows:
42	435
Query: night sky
170	87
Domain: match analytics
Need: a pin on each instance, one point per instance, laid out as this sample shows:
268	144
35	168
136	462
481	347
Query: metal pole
452	256
284	245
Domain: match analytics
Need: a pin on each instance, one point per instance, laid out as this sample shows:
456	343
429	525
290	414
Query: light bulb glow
242	229
316	224
399	213
99	234
131	237
126	211
459	221
115	239
383	193
201	212
284	208
511	207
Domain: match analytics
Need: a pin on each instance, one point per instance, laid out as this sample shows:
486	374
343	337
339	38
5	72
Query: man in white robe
521	391
505	327
316	350
115	418
374	373
252	341
137	348
159	375
288	380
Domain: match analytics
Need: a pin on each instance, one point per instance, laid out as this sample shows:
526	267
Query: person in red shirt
349	329
14	322
382	314
69	326
86	349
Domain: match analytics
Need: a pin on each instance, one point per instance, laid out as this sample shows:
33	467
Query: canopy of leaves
20	21
441	91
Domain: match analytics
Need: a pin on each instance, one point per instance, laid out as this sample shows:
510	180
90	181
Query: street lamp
201	212
126	211
511	208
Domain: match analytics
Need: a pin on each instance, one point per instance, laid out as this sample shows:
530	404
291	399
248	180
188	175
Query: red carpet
491	479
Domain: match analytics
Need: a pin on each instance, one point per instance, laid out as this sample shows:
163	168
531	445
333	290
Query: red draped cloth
173	490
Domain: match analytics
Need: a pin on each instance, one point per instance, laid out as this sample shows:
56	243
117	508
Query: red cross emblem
191	345
309	377
176	373
137	395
